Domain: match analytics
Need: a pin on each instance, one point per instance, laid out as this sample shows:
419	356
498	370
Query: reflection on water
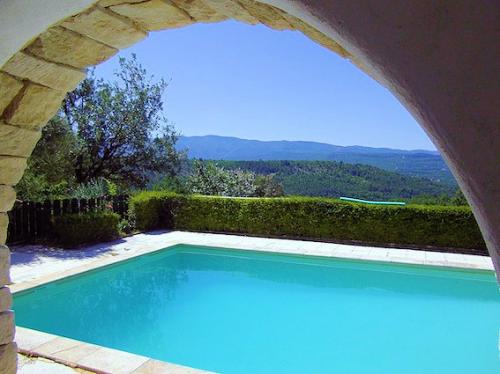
347	274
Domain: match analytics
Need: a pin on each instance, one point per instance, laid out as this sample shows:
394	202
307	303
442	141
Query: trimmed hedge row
321	218
72	230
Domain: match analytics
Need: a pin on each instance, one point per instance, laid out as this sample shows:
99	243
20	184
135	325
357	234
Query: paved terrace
34	265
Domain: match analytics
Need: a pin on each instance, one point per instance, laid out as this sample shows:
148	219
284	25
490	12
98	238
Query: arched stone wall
439	58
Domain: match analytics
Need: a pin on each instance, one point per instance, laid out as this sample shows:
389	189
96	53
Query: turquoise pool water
246	312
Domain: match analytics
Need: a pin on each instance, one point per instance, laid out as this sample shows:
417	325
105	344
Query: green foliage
94	188
121	131
50	173
267	186
54	155
208	178
149	210
125	226
34	187
113	131
75	229
169	183
112	188
307	217
415	164
458	199
335	179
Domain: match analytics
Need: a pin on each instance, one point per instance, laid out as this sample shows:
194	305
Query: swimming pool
235	311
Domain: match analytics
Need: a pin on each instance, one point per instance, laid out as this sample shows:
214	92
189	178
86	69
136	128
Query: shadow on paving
28	254
32	253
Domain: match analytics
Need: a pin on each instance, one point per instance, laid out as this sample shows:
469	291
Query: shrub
150	210
95	188
75	229
125	226
320	218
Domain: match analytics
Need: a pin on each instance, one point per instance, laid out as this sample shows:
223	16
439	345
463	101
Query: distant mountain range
419	163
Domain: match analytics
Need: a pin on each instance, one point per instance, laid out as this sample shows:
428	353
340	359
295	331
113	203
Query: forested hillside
334	179
419	163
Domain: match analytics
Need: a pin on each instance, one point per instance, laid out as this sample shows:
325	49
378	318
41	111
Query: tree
54	154
176	184
50	171
207	178
267	186
120	129
106	133
459	198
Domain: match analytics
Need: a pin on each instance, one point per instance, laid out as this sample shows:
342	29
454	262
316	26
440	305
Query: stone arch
440	60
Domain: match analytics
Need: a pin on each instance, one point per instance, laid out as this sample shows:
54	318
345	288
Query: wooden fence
31	221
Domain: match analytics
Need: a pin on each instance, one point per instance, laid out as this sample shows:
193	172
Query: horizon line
312	141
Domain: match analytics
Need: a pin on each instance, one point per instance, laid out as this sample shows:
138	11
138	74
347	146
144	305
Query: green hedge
321	218
72	230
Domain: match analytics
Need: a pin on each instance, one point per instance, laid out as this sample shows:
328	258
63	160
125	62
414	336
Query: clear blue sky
252	82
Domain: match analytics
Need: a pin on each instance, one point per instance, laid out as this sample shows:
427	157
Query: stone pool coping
91	357
103	360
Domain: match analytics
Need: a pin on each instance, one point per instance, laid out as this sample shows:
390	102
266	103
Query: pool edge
91	357
100	359
278	246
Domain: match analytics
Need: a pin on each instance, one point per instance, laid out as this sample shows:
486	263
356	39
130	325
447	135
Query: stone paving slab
42	352
38	365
